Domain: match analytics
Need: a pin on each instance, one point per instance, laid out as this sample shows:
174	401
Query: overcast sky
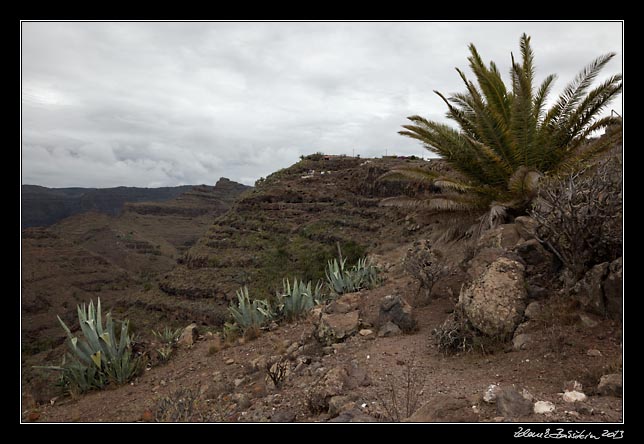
165	104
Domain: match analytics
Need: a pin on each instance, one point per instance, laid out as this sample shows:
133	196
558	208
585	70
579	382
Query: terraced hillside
118	259
291	223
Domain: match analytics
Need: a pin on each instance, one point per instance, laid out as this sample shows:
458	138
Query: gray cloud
161	104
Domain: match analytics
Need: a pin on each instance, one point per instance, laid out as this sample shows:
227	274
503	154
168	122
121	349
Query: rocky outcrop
333	385
444	408
510	403
336	327
610	385
495	302
397	310
600	290
589	291
189	335
613	288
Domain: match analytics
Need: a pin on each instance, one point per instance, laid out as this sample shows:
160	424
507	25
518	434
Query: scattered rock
445	408
527	395
526	227
357	376
524	327
594	352
283	416
189	335
512	404
366	332
337	404
610	385
147	416
613	288
229	361
522	341
491	393
213	390
258	389
574	396
292	349
353	415
543	407
389	329
334	327
242	400
570	386
338	307
495	302
258	364
238	381
588	321
332	384
589	290
533	310
394	308
586	410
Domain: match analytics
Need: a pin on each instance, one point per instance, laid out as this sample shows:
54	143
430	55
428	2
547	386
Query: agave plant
250	315
168	335
100	356
507	139
338	279
296	300
341	280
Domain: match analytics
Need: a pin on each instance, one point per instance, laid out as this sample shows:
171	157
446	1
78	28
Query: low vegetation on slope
291	224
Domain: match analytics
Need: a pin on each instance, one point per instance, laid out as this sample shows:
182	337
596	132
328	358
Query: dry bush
181	406
277	371
580	216
402	400
425	264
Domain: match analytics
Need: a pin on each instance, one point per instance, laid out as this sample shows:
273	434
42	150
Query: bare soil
227	387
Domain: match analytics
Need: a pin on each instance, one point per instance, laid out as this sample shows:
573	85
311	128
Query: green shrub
167	336
341	280
250	316
315	156
295	301
168	339
99	357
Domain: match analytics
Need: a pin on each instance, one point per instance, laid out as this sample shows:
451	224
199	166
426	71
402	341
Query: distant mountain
43	206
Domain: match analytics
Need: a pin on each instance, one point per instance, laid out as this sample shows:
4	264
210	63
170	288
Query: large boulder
495	302
394	308
589	291
189	335
336	327
613	288
483	258
610	385
510	403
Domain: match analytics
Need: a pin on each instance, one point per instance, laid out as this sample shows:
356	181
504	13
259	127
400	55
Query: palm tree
507	139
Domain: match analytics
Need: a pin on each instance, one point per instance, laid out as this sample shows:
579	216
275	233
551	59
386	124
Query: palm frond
413	174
